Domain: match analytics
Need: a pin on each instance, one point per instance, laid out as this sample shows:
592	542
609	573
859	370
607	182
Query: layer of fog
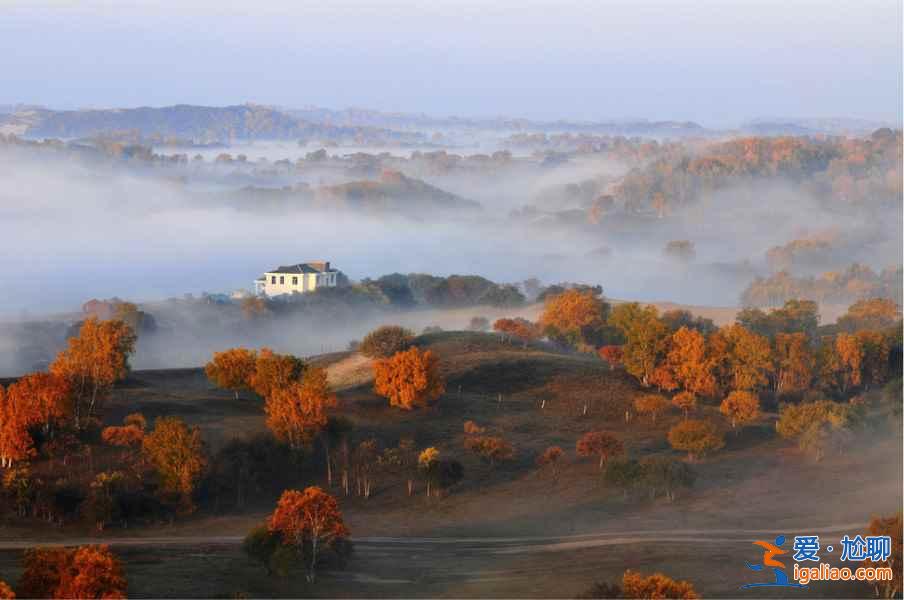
70	232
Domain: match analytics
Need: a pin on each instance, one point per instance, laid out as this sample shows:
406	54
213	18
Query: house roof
303	268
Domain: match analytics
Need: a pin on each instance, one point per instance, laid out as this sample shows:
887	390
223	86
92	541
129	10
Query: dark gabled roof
300	268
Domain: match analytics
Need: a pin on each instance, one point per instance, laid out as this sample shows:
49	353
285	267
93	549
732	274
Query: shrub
492	449
386	341
697	438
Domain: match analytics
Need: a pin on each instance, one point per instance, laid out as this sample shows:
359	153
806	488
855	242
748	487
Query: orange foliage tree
131	433
892	527
651	404
518	328
573	315
550	458
689	364
742	359
740	407
15	440
273	371
657	585
46	397
6	592
613	355
490	448
93	361
646	340
601	444
177	453
310	521
794	363
83	572
409	379
232	369
298	412
697	438
685	402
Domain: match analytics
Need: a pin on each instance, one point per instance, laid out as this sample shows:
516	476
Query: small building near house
300	278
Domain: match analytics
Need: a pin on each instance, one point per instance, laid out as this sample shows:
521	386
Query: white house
300	278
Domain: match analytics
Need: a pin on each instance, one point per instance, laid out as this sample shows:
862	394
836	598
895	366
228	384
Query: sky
716	62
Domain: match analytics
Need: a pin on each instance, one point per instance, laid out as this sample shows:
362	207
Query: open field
505	530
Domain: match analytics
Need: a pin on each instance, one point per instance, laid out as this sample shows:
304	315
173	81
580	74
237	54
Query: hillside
201	124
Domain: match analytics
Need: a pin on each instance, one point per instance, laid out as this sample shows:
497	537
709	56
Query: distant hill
202	124
804	126
418	121
392	193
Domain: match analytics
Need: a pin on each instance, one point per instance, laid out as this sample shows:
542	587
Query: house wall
286	283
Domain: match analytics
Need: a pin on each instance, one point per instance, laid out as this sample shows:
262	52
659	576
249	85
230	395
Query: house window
282	280
295	281
273	279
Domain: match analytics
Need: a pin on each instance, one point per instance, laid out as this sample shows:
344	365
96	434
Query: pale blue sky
717	62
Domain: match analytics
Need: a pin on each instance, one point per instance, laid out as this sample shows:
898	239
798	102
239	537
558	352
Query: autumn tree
875	350
428	462
687	359
817	424
576	316
657	585
92	362
298	412
409	379
601	444
386	341
842	363
83	572
177	453
613	355
646	339
310	521
274	371
16	443
890	526
102	504
518	328
651	404
695	437
742	360
794	363
44	396
491	448
131	433
685	402
550	458
874	314
232	369
740	407
6	592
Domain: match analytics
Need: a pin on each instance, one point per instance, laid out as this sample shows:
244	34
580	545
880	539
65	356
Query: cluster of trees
53	413
58	572
421	289
491	448
635	585
857	282
843	171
